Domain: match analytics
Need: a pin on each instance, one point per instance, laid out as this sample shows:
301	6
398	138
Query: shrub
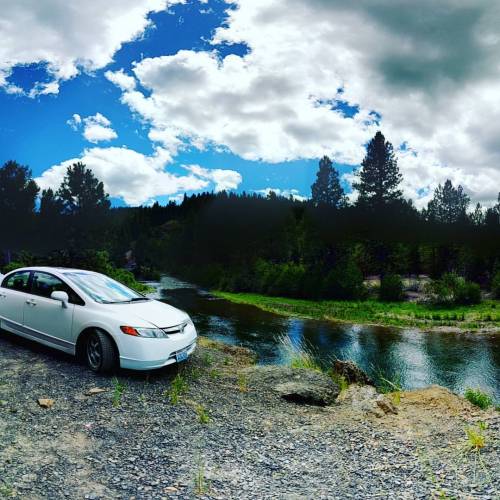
479	398
391	288
453	289
495	285
345	282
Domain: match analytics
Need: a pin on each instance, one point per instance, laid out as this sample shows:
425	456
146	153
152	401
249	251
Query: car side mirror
62	297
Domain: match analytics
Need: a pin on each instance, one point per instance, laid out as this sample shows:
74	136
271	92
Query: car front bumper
149	354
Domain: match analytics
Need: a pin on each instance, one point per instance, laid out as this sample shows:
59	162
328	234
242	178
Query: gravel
138	445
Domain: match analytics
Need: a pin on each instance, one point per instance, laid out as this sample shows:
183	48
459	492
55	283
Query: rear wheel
100	352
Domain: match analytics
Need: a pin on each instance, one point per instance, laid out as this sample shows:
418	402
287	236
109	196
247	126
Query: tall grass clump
300	355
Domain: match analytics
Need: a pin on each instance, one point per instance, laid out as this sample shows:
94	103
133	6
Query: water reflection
415	359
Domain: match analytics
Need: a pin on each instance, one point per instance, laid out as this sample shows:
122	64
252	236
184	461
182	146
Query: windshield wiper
135	299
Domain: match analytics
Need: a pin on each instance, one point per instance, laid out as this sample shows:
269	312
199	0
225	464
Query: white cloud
122	80
134	177
96	128
224	180
69	36
429	68
286	193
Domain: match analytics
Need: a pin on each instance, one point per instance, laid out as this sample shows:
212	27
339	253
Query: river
412	358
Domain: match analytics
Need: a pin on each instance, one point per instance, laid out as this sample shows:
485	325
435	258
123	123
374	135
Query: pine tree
81	192
326	189
449	204
477	217
379	175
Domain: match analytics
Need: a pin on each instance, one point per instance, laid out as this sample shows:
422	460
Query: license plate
181	356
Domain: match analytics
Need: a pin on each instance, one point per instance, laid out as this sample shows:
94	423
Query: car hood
159	314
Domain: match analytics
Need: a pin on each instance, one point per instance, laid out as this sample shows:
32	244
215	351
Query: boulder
367	400
298	385
351	372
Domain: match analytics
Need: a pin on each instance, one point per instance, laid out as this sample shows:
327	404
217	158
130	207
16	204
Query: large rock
351	372
298	385
367	400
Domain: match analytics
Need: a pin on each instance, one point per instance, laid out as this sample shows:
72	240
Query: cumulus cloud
224	180
429	69
137	178
96	128
69	36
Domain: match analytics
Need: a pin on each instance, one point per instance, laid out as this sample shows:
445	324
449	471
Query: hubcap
94	352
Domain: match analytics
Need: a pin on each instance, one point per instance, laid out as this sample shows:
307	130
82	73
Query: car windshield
103	289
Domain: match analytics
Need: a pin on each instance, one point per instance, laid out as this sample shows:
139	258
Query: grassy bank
484	316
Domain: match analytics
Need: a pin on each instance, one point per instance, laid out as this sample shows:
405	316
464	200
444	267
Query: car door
13	295
46	318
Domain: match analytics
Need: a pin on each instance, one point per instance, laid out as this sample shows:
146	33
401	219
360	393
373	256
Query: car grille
171	330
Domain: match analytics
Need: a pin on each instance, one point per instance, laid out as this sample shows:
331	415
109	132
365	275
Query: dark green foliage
327	190
18	190
449	204
495	285
391	288
379	175
345	281
81	192
453	289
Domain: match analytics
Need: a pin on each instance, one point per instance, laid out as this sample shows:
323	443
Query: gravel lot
255	445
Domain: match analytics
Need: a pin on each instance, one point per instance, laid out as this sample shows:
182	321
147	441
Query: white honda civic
94	317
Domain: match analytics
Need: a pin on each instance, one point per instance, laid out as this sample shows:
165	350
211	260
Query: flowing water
411	358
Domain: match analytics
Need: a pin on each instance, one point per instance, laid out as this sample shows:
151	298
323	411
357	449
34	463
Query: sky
165	97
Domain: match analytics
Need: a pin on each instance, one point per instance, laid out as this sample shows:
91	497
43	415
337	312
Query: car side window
18	281
44	284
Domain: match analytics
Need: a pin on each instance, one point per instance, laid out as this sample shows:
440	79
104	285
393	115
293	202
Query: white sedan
95	318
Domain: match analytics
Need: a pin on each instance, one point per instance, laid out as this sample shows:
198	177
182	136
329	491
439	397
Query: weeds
178	387
340	380
479	398
118	390
207	359
201	485
242	382
203	416
6	490
476	438
214	374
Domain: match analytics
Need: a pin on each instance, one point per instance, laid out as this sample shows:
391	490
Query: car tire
100	353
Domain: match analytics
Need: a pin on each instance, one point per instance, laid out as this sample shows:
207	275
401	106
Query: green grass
118	390
479	398
402	314
203	416
178	387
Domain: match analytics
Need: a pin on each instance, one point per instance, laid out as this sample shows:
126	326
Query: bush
467	293
391	288
345	282
479	398
453	289
495	285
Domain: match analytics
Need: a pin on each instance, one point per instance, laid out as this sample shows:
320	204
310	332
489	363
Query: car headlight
149	333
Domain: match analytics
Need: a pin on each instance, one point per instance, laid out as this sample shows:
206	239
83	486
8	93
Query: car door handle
3	295
31	302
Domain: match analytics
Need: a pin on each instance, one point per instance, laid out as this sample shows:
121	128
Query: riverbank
221	427
484	317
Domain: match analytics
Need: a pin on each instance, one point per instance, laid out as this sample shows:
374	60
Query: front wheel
100	353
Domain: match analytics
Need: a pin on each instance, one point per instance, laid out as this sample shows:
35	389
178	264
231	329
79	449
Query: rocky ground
220	428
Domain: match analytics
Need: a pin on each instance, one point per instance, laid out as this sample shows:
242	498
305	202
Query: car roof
56	269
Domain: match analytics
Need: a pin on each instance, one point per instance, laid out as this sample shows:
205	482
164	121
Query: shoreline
481	319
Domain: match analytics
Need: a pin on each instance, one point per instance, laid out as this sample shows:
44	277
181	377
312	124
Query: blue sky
162	97
35	132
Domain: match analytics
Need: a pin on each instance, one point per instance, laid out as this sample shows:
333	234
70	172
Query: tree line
322	247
